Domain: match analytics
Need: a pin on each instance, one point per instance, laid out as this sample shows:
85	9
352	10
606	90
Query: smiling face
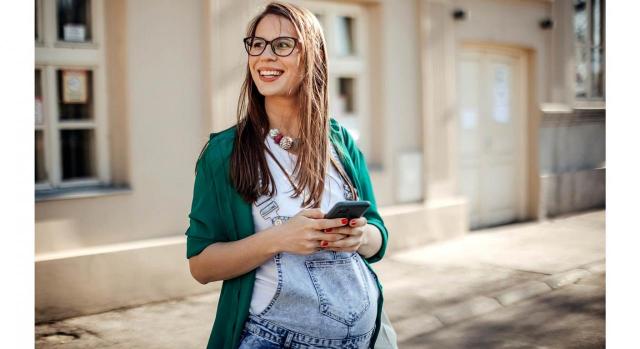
275	75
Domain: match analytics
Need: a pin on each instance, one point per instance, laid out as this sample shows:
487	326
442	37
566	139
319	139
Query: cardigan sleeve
205	227
372	215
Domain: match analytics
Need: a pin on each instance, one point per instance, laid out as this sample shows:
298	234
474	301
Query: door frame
528	128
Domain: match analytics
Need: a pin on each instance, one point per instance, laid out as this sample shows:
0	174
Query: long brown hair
248	162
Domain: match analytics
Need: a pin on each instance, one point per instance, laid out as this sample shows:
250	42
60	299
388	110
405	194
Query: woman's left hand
355	232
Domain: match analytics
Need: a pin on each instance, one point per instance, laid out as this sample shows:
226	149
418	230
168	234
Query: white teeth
270	73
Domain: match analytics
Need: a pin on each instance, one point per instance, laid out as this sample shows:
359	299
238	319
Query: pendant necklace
285	142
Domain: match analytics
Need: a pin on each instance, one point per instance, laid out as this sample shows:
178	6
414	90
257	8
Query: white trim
68	56
76	124
39	22
48	23
43	186
51	112
70	183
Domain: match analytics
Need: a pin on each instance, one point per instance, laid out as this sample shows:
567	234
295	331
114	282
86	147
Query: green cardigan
215	201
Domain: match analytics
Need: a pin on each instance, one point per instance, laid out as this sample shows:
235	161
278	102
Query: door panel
489	124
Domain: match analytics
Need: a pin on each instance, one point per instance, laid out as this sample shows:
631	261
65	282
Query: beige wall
510	23
165	107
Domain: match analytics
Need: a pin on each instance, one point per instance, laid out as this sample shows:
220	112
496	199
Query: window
74	20
345	30
589	29
70	98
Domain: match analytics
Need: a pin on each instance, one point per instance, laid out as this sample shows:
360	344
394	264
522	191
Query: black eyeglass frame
269	43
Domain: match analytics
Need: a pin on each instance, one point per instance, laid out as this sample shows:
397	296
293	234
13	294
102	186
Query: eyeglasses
281	46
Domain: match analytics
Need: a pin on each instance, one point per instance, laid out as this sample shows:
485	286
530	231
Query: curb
480	305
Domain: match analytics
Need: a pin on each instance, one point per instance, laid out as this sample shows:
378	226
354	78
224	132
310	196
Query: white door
491	116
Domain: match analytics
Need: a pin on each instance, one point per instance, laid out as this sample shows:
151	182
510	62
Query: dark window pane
41	173
580	21
38	98
596	23
346	95
597	65
582	71
345	38
75	94
74	20
38	84
77	149
37	18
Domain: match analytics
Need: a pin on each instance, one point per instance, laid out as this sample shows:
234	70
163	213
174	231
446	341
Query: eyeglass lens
281	46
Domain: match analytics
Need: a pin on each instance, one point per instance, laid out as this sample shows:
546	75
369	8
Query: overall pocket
342	289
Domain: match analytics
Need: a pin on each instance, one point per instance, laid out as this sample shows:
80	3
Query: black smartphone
348	209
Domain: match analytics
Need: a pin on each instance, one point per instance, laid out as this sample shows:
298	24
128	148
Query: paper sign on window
74	32
74	85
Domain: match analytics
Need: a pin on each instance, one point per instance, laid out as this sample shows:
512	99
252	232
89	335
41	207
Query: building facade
470	114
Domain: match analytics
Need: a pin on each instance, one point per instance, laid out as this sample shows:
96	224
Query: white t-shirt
268	211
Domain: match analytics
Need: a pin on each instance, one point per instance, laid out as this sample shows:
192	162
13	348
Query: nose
268	51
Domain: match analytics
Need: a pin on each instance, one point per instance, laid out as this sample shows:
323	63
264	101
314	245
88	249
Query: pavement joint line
566	278
521	292
596	267
481	305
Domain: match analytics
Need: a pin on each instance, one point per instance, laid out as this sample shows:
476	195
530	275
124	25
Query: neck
283	114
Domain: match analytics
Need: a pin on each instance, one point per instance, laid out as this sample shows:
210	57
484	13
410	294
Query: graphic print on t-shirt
268	208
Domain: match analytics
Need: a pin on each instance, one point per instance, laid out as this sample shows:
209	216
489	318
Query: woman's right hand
303	233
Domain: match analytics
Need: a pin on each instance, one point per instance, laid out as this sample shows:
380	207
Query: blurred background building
470	113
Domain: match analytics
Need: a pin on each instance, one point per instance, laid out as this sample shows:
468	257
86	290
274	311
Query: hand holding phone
348	209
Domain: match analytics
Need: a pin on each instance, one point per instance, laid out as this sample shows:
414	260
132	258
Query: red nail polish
344	221
324	244
328	230
352	223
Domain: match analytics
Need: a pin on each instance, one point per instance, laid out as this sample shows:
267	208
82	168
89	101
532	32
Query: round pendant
286	142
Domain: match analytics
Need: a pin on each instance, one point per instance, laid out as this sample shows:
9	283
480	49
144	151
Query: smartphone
348	209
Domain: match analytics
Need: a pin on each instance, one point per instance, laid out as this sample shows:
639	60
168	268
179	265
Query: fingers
347	243
327	236
358	222
349	231
326	224
332	224
315	213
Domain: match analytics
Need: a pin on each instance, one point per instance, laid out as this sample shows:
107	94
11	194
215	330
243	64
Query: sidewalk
518	286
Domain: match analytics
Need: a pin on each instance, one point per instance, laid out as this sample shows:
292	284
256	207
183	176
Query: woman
291	277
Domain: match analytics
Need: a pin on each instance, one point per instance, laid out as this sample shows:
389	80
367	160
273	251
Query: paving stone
524	291
415	326
465	310
595	267
562	279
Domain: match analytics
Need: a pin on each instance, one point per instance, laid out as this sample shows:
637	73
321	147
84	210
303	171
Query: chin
272	93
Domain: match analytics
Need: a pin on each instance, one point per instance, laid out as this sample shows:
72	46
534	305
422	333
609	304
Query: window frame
355	66
52	55
590	102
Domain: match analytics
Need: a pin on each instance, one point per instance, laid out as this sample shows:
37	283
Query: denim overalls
323	300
